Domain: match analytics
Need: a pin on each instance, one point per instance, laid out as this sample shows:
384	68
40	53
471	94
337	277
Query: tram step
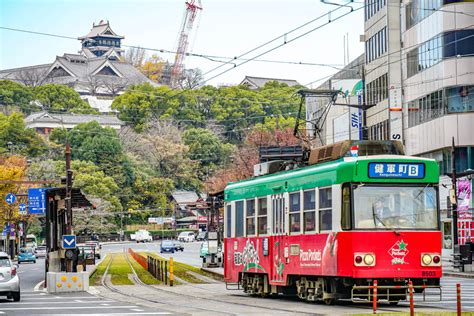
233	286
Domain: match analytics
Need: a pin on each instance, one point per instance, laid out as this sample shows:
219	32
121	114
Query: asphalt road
190	255
82	303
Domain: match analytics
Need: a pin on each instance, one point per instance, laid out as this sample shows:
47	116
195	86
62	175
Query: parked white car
186	237
9	280
142	235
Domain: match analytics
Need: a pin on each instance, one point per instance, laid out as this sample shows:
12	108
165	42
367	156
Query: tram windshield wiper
377	218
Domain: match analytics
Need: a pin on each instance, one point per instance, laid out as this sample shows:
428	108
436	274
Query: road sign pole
68	199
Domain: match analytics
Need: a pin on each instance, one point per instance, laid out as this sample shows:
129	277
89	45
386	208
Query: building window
229	220
239	218
250	217
379	131
418	10
377	90
458	99
449	44
325	209
372	7
309	210
295	211
376	46
262	216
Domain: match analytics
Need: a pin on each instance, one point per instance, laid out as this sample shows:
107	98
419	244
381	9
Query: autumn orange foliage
246	156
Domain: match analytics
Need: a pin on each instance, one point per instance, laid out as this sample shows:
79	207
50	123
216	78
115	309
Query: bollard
458	292
410	290
166	272
171	271
374	297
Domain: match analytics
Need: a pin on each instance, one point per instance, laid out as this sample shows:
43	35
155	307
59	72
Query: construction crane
190	13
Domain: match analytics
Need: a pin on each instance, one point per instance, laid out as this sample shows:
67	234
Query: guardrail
159	269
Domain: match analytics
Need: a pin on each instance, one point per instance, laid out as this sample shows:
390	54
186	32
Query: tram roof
347	169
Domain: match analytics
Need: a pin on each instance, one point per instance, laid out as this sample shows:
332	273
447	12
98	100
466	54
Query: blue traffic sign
11	198
22	208
36	201
69	241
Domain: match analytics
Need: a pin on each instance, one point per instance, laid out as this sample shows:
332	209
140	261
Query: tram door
278	231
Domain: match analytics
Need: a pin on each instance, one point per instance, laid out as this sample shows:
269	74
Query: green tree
140	103
16	137
17	95
206	147
56	97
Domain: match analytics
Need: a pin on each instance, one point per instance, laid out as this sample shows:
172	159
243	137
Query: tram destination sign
396	170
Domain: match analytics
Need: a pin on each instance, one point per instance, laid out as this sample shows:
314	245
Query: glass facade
457	99
418	10
376	46
372	7
377	90
464	159
379	131
448	44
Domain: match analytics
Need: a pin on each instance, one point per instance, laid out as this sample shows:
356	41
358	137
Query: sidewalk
448	269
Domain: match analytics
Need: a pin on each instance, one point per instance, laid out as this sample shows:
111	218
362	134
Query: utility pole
365	129
454	206
68	199
454	202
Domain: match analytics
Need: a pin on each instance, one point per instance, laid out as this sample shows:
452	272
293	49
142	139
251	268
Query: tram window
262	216
228	216
346	207
295	225
309	210
250	217
239	218
325	209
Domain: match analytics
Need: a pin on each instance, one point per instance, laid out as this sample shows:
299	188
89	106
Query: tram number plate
428	273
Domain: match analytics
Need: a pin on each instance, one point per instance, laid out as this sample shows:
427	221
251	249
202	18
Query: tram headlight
426	259
364	259
369	259
431	259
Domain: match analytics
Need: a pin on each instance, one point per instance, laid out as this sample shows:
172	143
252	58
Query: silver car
40	251
9	280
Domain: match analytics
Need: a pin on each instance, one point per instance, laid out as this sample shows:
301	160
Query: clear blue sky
226	28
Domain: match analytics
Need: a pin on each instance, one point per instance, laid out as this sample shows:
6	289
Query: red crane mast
190	13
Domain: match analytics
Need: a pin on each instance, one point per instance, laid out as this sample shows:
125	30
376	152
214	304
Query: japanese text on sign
396	170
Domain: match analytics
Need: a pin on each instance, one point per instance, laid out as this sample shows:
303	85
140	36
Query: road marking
47	297
115	314
105	304
136	309
44	303
64	308
37	286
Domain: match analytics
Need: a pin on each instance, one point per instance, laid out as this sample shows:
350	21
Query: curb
458	275
218	276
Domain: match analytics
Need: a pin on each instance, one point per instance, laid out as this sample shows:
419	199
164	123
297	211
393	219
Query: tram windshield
395	207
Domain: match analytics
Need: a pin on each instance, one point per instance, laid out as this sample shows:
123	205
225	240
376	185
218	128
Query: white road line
105	304
44	298
117	314
44	303
37	286
136	309
64	308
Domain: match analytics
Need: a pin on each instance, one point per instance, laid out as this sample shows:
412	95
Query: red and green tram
328	230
